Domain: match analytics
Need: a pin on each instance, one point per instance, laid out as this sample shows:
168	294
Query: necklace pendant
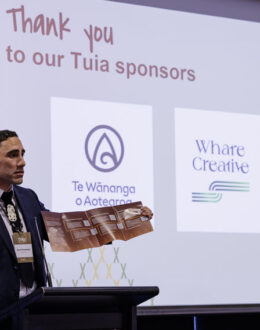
11	214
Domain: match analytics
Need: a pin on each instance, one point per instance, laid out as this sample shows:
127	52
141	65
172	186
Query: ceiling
238	9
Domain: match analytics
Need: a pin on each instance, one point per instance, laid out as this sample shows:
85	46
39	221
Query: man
20	210
16	218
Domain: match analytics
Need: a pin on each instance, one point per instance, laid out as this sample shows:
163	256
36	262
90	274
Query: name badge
23	247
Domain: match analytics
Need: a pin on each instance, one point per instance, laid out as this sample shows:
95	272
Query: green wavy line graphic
211	197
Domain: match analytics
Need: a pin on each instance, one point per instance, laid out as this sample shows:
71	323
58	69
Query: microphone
49	280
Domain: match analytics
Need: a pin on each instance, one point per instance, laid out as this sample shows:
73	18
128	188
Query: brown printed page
73	231
69	231
132	223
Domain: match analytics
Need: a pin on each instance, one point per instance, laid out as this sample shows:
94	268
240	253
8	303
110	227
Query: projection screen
177	96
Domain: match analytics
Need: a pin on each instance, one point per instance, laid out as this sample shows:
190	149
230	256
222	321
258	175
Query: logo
215	197
104	148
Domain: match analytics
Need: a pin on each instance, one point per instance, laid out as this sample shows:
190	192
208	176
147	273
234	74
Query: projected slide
118	103
216	170
110	157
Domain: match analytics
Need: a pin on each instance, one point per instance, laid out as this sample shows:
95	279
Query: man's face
11	162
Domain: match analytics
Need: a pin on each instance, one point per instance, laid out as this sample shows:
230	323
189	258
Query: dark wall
239	9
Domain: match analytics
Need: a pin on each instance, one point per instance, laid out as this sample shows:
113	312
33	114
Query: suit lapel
25	206
28	210
6	237
22	202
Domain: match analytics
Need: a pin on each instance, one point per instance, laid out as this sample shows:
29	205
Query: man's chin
18	181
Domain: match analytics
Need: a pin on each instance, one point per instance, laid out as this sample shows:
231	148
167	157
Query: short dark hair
5	134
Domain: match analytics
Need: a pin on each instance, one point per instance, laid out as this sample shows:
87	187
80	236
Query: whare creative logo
228	159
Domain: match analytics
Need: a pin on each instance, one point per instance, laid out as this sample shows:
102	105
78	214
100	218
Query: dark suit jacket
9	276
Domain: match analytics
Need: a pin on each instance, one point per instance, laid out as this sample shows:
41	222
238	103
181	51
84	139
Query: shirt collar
2	191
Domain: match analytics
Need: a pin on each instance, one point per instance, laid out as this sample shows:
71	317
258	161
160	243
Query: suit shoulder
27	194
23	190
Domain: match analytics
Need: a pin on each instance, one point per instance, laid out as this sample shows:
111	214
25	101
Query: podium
87	308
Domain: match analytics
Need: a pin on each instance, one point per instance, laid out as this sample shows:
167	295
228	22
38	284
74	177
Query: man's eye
13	155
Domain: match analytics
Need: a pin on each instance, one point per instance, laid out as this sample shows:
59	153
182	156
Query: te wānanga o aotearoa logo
104	148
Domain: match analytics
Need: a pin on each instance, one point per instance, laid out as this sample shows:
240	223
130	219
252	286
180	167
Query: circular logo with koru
104	148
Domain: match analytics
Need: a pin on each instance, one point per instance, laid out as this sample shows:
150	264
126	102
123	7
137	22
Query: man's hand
146	212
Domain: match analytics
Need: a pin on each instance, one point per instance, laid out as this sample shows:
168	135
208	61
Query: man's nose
21	162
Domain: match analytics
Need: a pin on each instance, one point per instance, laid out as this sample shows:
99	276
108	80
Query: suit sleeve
40	221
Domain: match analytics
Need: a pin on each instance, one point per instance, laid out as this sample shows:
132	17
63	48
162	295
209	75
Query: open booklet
73	231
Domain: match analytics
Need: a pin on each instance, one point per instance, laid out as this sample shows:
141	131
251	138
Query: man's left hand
146	212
